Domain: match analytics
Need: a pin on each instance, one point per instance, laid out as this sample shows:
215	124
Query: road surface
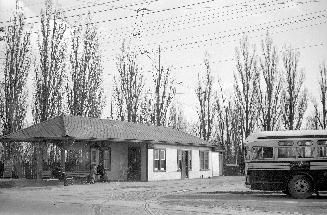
222	195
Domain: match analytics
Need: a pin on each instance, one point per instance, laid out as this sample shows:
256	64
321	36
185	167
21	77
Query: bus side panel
271	180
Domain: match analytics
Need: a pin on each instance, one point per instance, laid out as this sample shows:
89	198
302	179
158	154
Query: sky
186	29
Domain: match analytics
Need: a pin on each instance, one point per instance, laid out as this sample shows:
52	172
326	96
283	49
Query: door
134	164
184	170
221	163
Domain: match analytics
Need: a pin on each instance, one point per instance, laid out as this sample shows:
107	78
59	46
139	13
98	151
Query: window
107	159
286	143
204	160
159	159
322	148
286	152
179	159
189	155
93	156
261	153
305	149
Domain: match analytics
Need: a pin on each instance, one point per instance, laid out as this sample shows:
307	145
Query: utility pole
158	89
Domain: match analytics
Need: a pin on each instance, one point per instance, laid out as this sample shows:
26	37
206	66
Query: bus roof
295	134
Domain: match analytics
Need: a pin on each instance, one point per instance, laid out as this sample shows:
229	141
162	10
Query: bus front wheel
300	187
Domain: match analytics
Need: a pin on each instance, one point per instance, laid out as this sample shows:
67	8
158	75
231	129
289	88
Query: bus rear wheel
300	187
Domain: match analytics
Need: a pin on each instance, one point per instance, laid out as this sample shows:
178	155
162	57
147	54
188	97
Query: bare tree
49	73
270	92
246	86
13	88
227	126
164	92
176	118
85	94
246	92
205	95
320	116
294	98
312	121
129	84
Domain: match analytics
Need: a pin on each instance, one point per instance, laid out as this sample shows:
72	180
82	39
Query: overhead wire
258	27
151	33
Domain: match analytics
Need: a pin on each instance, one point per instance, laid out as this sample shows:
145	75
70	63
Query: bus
294	162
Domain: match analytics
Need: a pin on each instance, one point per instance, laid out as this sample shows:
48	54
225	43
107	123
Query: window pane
107	159
106	154
322	142
156	165
162	164
285	143
106	164
268	152
156	154
257	153
206	160
179	162
93	156
322	151
286	152
162	154
201	160
190	159
305	143
304	152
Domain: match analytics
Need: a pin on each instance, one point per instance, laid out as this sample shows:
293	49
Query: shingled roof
95	129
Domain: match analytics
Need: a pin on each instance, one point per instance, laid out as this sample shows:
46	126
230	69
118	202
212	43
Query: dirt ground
221	195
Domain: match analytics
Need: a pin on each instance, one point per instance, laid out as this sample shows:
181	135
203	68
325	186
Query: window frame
159	160
94	151
287	147
202	156
319	146
109	159
262	153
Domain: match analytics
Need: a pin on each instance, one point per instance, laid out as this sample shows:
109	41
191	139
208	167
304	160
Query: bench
46	174
78	174
81	175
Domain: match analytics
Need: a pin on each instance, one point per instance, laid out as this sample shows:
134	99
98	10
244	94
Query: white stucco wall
171	164
215	163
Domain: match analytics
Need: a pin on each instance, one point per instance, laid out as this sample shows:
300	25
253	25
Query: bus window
247	153
286	152
285	143
305	149
260	153
322	148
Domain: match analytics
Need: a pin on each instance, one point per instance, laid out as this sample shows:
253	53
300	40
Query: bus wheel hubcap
301	185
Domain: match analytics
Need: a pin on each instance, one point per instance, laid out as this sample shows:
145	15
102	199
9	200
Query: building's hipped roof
94	129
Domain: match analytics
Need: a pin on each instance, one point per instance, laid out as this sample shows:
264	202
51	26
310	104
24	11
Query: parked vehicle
294	162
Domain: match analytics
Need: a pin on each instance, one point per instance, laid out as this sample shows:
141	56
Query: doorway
185	164
134	164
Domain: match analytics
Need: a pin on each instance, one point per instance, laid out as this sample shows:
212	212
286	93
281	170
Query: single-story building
127	151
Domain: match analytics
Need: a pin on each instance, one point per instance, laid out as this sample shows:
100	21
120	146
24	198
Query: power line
214	21
234	40
82	14
238	33
68	10
207	17
166	21
232	59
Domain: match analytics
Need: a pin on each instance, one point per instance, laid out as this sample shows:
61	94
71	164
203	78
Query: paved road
223	195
